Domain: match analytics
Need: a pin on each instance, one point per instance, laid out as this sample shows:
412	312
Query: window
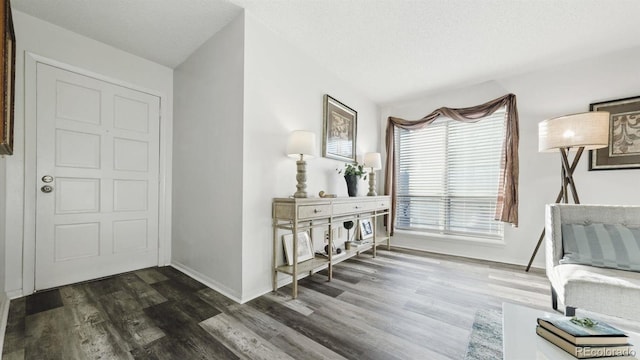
448	176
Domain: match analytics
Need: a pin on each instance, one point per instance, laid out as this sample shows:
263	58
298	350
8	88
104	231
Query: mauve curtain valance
507	202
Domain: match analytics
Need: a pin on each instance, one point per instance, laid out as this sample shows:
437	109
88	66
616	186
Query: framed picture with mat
366	229
305	247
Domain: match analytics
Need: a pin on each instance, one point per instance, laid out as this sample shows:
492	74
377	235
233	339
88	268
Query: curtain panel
507	202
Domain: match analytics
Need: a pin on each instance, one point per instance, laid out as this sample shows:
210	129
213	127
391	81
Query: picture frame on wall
305	247
623	151
340	130
7	80
366	229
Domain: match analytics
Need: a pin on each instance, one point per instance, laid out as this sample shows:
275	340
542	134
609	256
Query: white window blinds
448	176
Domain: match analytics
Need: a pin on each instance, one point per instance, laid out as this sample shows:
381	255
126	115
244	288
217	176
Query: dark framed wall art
340	130
623	151
7	80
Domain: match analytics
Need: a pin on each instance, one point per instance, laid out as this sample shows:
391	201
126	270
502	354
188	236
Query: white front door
97	168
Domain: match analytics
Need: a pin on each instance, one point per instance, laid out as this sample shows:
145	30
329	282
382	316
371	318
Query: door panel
77	149
100	143
75	196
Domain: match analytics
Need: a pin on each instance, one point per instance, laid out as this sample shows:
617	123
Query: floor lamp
584	131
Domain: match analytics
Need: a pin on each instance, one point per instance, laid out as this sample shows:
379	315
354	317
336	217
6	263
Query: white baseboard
14	294
207	281
256	294
4	315
282	281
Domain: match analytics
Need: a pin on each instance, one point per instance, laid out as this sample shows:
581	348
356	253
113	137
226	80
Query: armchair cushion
613	246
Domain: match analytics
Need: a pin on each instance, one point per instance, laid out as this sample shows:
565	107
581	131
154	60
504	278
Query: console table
305	214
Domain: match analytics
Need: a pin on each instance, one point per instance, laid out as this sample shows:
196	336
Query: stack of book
584	338
360	242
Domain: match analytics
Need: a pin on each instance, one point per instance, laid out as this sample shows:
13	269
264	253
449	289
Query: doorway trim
30	174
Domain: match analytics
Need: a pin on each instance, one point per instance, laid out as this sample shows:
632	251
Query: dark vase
352	184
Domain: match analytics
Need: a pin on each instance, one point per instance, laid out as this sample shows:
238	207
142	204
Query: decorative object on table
584	322
304	247
372	160
358	245
623	151
579	132
360	242
7	79
333	248
301	143
366	229
585	351
340	130
348	225
322	194
572	330
335	252
352	173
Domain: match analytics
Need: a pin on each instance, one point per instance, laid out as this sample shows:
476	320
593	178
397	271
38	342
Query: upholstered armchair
593	258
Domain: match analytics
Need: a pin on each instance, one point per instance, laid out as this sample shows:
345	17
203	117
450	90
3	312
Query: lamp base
563	195
372	184
301	176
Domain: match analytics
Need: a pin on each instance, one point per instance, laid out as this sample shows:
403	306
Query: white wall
233	119
3	204
283	92
543	94
50	41
237	98
208	156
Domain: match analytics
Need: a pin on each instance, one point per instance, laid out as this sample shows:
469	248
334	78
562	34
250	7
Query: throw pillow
602	245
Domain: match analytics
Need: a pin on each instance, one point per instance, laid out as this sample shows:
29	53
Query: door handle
46	189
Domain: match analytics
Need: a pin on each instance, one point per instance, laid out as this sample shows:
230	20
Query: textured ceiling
389	49
164	31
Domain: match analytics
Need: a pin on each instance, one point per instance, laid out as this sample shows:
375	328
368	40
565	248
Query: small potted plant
353	172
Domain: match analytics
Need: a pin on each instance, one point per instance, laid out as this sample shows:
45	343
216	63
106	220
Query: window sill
450	238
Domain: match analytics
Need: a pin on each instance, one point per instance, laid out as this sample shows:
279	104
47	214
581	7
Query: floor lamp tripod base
563	196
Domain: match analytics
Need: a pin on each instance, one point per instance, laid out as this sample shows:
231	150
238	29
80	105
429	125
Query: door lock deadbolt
47	178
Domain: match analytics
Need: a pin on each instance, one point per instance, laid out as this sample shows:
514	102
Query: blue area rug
485	342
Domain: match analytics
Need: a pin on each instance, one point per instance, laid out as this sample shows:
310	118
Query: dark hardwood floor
400	305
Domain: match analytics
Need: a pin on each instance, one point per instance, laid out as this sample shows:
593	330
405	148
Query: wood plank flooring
401	305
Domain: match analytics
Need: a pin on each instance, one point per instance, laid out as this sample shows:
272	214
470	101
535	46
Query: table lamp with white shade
372	160
301	143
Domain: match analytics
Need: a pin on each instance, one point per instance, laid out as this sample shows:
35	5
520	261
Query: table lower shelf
312	265
320	262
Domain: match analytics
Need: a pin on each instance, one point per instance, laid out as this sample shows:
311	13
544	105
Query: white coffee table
520	341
